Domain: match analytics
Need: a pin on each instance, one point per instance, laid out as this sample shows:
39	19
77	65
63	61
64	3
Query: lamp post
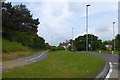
52	40
114	34
91	42
87	27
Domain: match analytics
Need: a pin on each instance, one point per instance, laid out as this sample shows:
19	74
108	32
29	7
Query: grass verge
60	64
13	50
16	55
9	46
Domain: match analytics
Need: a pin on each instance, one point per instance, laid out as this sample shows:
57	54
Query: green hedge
54	48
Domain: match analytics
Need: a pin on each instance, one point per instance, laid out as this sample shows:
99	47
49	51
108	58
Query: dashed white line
110	71
26	60
19	59
34	61
115	63
35	57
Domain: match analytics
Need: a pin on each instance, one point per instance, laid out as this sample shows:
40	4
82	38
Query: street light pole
87	27
52	40
91	42
114	34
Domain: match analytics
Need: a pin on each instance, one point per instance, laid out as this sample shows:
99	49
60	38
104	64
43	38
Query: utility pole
87	27
114	34
91	42
52	40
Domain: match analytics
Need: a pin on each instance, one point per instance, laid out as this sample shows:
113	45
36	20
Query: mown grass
60	64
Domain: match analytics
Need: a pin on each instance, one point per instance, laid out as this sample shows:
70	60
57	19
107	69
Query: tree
79	43
117	39
19	26
93	41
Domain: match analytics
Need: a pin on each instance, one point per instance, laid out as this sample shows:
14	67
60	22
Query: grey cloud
102	29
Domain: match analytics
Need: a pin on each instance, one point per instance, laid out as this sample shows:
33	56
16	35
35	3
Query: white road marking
26	60
110	71
115	63
34	61
35	57
19	59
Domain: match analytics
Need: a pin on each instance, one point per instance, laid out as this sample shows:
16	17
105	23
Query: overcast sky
58	17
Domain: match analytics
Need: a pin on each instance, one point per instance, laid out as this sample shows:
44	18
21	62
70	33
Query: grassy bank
60	64
12	50
9	46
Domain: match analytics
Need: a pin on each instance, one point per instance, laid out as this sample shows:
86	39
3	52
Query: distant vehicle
73	50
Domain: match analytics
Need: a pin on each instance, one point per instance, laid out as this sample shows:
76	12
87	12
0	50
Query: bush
54	48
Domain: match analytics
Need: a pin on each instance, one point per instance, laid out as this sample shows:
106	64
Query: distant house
108	47
65	45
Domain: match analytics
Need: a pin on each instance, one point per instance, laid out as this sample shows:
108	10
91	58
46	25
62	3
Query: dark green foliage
80	42
38	43
96	44
18	25
54	48
111	42
47	46
117	39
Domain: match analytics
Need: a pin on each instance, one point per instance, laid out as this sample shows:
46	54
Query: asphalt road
36	57
112	59
40	56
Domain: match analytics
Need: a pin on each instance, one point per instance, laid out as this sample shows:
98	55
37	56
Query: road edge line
36	57
110	71
104	72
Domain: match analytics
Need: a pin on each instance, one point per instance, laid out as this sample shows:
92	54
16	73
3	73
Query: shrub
54	48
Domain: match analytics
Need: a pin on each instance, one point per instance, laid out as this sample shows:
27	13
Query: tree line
94	43
20	26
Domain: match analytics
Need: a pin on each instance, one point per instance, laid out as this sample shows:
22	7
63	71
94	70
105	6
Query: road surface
112	59
36	57
40	56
